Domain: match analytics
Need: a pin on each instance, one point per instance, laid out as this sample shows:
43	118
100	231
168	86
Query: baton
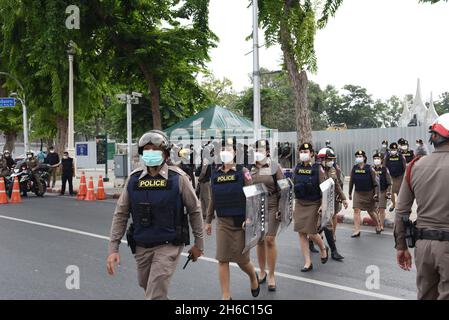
187	262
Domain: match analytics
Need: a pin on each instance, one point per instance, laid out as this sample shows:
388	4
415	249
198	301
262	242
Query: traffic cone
90	196
100	190
3	197
15	196
83	188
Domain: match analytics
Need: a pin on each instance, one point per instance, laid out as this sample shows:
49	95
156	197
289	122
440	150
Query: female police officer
396	164
156	196
268	172
363	177
228	200
385	187
307	181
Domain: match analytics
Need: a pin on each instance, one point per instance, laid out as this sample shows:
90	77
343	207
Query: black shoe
356	235
312	247
324	260
391	209
255	292
272	287
336	256
263	280
378	231
307	269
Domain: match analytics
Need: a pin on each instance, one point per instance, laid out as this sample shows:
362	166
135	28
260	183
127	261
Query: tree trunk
155	97
299	81
10	141
61	136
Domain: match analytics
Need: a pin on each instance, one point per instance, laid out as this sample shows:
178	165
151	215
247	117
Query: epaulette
177	170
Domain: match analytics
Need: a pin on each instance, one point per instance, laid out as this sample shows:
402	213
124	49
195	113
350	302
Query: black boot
330	240
312	247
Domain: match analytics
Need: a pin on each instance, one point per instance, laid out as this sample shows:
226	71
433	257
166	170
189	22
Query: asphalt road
41	237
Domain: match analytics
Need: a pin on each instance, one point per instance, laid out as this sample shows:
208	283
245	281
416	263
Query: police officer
426	182
186	164
385	187
228	200
155	196
406	152
363	178
9	160
307	179
328	158
204	174
4	169
268	172
396	164
421	149
384	149
33	165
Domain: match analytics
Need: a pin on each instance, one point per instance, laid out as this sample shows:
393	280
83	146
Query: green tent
213	122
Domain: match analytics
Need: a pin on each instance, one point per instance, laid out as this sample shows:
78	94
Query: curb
108	195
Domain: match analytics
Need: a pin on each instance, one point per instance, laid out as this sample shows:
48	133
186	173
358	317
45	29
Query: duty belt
423	234
151	245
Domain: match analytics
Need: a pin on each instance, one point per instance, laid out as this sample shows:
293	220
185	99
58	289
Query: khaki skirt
382	200
364	200
306	216
273	223
397	181
230	241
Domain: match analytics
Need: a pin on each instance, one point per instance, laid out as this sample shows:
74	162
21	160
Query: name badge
305	171
225	179
360	171
394	159
152	184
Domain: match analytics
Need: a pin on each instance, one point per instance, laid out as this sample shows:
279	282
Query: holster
410	231
130	238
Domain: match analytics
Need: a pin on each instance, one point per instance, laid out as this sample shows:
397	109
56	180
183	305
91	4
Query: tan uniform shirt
211	208
265	174
430	176
373	178
32	163
389	182
332	173
190	201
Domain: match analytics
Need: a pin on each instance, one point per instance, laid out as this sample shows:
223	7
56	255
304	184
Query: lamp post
256	71
70	134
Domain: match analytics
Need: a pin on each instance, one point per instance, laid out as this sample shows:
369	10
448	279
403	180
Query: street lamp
71	134
25	120
256	71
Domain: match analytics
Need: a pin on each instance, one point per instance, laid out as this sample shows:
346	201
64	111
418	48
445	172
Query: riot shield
256	214
285	203
327	201
379	191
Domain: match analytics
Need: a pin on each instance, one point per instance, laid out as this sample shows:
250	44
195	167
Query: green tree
219	91
442	106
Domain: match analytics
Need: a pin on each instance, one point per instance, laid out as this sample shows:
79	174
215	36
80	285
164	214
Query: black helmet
394	146
401	141
306	146
156	138
262	144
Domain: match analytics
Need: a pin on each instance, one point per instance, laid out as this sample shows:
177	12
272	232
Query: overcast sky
383	45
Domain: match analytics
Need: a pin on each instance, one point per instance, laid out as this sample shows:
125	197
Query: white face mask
52	151
329	164
304	157
258	156
404	147
377	162
359	160
393	153
30	156
226	157
418	145
384	146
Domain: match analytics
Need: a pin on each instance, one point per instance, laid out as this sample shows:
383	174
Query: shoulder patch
136	171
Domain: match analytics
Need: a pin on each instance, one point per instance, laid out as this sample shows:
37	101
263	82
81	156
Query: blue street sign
81	149
7	102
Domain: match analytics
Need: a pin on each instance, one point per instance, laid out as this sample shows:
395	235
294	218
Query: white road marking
279	274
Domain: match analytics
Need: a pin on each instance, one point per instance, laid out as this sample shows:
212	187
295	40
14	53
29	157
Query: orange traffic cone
90	196
15	196
3	197
100	190
83	188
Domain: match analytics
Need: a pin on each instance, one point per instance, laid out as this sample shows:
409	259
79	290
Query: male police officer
426	181
4	170
33	165
155	196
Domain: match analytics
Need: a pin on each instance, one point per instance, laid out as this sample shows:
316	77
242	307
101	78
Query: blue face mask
152	158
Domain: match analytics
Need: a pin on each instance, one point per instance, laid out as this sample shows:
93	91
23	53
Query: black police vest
157	209
395	165
362	178
227	192
307	182
409	155
382	172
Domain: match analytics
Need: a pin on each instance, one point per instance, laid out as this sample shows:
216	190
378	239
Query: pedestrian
406	152
385	185
68	171
396	164
426	180
53	160
228	200
363	179
421	149
268	172
307	179
328	158
156	195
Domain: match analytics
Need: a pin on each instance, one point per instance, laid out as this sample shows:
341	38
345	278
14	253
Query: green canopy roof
214	121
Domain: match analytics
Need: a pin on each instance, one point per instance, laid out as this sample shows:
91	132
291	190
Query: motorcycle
26	179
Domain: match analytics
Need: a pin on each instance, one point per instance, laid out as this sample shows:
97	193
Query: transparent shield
327	201
256	214
285	203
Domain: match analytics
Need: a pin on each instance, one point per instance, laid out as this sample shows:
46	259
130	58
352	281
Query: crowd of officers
163	199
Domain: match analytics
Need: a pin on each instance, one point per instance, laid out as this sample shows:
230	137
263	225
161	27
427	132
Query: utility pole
256	71
71	131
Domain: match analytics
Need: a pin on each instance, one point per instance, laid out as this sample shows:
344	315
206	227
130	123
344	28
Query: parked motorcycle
26	179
